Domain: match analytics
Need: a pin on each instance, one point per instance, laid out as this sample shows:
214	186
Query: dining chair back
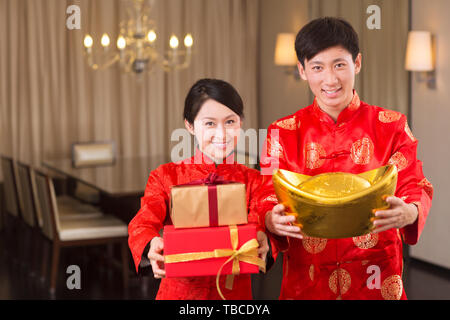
47	204
10	182
78	230
25	190
93	153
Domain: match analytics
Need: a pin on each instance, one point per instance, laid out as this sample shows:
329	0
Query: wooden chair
73	232
88	154
91	154
31	233
2	208
12	208
9	177
69	208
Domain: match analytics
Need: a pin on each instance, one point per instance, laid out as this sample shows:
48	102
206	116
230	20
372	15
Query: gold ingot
337	204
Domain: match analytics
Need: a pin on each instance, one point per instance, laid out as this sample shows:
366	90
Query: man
340	133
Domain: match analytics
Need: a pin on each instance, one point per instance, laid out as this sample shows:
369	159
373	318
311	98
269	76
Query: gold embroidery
275	148
392	288
427	186
366	241
339	278
288	124
313	152
364	262
409	132
314	245
389	116
361	151
399	160
355	103
311	272
272	198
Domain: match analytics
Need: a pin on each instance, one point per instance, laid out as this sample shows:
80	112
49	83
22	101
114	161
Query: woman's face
216	128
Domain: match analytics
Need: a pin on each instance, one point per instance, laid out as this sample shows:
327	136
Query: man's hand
280	224
156	257
399	215
263	245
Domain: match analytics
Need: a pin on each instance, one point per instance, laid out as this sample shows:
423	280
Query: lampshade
285	50
419	55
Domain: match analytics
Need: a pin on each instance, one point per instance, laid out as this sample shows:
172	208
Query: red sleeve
255	184
412	186
272	157
150	218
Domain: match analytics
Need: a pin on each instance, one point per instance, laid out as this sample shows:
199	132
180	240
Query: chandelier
136	45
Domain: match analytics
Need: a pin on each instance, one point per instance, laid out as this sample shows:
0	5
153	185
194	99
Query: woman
213	113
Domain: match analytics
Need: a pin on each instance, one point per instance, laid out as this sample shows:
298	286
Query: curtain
50	98
383	80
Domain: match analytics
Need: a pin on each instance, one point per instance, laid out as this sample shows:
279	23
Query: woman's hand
280	224
263	245
399	215
156	257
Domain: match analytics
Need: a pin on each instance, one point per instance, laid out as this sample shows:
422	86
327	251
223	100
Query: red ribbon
213	207
212	180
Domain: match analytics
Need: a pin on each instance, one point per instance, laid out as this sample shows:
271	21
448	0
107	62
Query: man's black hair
323	33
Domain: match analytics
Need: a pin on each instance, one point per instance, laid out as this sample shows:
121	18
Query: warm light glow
105	40
121	43
173	42
419	56
88	41
188	41
151	36
285	50
136	47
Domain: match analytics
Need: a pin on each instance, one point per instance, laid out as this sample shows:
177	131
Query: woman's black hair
218	90
323	33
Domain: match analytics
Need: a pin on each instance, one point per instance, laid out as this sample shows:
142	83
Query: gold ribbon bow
248	253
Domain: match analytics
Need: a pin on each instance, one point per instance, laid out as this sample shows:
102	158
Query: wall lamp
420	57
285	55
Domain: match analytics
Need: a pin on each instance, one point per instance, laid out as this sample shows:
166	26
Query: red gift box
208	202
203	251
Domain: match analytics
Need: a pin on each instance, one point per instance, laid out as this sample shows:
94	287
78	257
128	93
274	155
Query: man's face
331	77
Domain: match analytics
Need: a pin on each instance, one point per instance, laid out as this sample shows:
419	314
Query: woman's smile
221	144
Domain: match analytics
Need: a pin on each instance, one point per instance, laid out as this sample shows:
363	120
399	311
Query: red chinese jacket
363	138
154	214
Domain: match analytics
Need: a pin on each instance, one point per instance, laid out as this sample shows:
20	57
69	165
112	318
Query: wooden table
121	184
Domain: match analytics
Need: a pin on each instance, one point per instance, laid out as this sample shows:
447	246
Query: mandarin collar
345	114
